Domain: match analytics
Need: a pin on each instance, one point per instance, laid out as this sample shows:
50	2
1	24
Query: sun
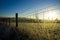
51	15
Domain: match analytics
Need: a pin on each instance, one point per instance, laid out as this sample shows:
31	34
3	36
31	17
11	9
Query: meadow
39	31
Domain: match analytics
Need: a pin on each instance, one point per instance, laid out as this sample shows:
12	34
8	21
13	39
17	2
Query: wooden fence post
9	21
16	19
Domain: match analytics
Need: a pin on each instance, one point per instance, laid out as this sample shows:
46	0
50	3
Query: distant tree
57	20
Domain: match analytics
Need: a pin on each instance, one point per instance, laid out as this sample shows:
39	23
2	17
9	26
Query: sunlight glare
51	15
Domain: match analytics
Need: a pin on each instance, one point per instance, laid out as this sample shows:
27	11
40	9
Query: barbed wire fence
37	12
34	14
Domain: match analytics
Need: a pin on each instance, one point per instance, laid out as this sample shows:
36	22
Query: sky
8	8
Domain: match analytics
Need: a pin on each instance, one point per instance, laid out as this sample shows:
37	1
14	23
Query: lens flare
50	15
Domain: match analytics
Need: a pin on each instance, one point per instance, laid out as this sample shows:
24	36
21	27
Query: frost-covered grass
39	31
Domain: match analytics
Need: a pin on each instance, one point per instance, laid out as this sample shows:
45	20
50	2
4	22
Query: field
39	31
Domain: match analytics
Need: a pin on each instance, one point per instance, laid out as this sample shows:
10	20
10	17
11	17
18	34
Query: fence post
16	19
9	21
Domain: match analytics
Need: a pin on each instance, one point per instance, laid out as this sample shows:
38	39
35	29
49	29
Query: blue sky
22	7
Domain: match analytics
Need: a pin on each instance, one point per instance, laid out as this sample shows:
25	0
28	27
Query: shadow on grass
8	33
